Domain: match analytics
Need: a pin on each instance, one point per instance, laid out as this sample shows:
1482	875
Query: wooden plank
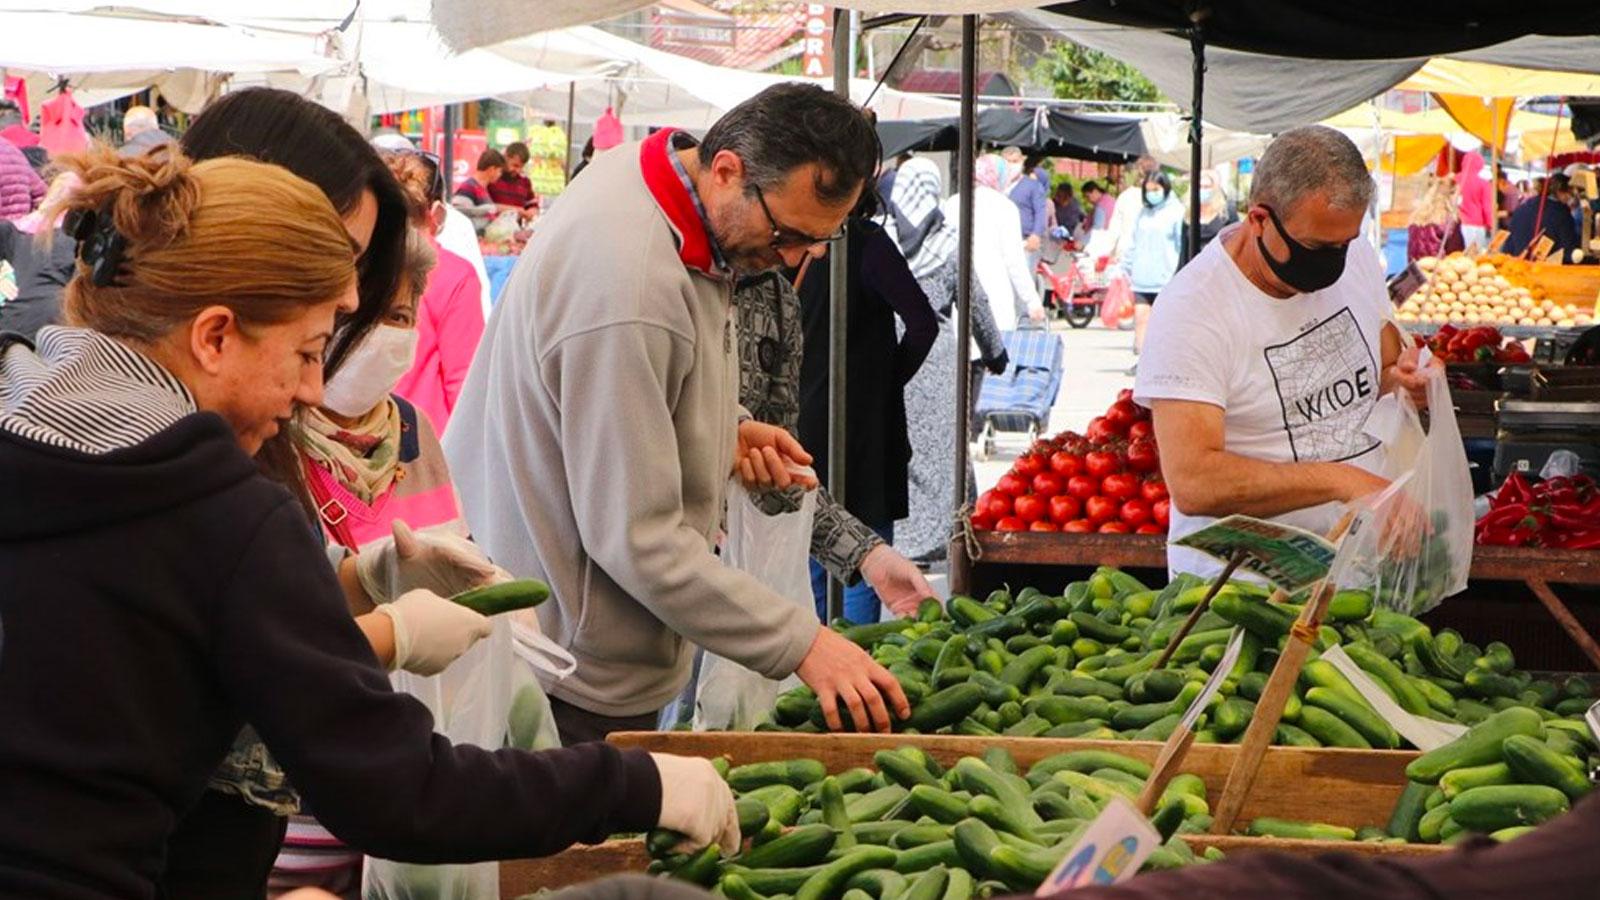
1150	552
1568	621
581	863
1340	787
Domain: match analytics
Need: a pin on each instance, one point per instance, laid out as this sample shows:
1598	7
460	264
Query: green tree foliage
1079	73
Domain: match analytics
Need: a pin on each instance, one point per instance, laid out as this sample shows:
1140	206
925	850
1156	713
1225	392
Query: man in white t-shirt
1266	353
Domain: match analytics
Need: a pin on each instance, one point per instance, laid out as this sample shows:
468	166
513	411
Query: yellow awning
1432	121
1413	153
1487	121
1454	76
1537	130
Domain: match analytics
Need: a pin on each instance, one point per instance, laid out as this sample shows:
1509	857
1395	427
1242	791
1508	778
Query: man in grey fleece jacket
599	424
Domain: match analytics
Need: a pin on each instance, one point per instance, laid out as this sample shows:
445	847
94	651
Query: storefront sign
817	60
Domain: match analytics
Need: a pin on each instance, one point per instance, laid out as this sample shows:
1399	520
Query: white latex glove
897	580
431	632
697	803
442	563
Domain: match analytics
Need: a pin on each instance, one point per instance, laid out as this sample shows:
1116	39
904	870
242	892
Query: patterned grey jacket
770	347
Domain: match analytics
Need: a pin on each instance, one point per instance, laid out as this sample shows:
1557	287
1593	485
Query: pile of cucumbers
913	830
1081	664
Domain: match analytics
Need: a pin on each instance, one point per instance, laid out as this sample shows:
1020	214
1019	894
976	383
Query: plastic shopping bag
491	697
1411	544
776	549
1118	302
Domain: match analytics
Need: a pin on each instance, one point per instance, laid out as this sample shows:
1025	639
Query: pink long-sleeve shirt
449	326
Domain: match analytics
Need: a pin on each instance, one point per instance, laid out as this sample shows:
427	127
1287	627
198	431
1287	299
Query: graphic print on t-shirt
1326	380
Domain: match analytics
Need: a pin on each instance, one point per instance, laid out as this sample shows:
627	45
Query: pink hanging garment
61	125
17	92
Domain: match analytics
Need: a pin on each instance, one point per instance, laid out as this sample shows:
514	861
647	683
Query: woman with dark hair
232	836
1152	258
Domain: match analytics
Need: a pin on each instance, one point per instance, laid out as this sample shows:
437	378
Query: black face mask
1307	269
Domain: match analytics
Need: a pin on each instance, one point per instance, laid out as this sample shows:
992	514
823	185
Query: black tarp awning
1051	132
1349	29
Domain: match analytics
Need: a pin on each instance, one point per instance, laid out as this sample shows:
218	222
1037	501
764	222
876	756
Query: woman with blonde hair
1434	229
160	591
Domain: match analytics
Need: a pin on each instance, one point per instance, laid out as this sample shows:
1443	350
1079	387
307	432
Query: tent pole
838	303
572	102
447	156
966	157
1197	46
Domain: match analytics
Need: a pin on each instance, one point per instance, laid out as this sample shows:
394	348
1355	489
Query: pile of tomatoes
1107	480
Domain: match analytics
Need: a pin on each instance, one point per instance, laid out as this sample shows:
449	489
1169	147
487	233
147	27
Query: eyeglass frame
784	237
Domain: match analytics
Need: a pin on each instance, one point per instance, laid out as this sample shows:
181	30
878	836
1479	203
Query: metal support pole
572	102
966	157
838	325
1197	131
447	155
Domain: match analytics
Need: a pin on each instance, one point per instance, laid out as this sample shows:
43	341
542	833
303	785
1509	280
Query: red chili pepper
1506	516
1579	540
1515	490
1562	497
1571	517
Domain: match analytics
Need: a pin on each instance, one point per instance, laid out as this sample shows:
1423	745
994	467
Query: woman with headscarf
1434	228
927	239
998	258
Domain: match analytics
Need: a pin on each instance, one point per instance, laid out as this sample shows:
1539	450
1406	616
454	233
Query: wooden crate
1340	787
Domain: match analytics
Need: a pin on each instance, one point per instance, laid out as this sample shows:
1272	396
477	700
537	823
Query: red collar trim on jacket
663	183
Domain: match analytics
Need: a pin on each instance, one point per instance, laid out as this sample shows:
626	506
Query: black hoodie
155	598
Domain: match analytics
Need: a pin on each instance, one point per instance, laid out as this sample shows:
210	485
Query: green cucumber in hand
507	596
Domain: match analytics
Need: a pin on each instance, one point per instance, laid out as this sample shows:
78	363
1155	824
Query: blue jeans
861	603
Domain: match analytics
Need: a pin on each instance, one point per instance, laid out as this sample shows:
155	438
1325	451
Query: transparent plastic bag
776	549
1410	545
491	697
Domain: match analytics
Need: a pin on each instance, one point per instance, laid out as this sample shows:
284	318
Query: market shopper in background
999	261
1125	211
1267	352
472	194
198	598
1029	196
1434	228
42	261
879	289
1217	211
600	424
1545	214
513	190
1152	256
21	188
449	318
927	240
1475	187
141	131
1069	214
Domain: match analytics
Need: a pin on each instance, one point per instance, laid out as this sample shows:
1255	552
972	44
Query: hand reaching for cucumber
842	673
445	564
696	803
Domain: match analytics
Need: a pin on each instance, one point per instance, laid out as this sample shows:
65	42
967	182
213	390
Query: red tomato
1083	486
1011	523
1044	525
1114	528
1140	430
1079	526
1161	512
1064	508
1101	463
1100	509
1028	465
1074	443
1142	456
1153	489
1150	528
1120	486
1030	507
1066	464
1048	484
1122	414
1100	431
1134	513
994	504
982	522
1012	484
1125	394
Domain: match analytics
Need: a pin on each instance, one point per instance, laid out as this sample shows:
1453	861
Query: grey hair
1305	160
418	263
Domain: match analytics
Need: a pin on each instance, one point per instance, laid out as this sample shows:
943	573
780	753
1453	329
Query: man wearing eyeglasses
595	437
1267	352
